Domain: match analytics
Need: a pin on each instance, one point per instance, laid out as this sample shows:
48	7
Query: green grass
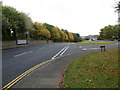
95	42
96	70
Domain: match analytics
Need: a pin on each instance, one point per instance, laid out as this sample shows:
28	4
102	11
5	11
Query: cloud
79	16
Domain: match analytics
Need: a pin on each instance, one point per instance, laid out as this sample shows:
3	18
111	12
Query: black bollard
102	48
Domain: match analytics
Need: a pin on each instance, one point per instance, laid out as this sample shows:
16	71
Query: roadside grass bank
96	70
96	42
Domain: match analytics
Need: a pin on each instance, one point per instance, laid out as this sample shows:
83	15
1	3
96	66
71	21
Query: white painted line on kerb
64	51
23	53
59	52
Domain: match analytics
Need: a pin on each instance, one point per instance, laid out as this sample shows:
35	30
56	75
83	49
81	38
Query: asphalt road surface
17	60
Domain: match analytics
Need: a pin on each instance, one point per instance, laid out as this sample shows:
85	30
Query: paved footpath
48	75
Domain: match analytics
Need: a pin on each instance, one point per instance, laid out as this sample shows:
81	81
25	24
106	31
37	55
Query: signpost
24	41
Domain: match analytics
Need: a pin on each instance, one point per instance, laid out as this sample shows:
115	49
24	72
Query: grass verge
95	42
96	70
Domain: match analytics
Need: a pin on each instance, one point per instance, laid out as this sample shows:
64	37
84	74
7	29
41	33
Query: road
17	60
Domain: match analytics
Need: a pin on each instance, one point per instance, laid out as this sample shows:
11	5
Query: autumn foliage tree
44	34
62	36
66	37
55	35
20	23
33	34
71	37
40	32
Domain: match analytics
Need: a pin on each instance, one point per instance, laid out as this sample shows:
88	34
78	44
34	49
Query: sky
85	17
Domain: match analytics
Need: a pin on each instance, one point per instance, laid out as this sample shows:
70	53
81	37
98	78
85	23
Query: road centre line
23	53
59	52
64	51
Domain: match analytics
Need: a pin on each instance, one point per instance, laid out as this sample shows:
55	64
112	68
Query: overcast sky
85	17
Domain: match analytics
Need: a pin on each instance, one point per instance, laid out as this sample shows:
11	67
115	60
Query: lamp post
27	37
15	36
11	31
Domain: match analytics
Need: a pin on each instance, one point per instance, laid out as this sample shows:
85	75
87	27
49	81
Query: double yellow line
9	85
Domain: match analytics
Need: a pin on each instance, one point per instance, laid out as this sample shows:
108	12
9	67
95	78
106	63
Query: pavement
47	76
18	60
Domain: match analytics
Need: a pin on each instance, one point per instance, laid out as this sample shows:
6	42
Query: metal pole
15	32
27	37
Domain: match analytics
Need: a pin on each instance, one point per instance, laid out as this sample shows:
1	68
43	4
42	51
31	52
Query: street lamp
11	31
27	37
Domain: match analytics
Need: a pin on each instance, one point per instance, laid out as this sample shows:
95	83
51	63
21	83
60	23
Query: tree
9	21
87	38
44	33
6	28
38	26
48	26
55	35
40	32
71	37
33	34
66	34
17	21
66	37
62	35
109	32
25	25
76	37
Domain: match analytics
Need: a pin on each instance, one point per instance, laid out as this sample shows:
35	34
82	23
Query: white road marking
29	51
41	48
64	51
94	48
84	49
59	52
80	46
68	54
89	49
23	53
